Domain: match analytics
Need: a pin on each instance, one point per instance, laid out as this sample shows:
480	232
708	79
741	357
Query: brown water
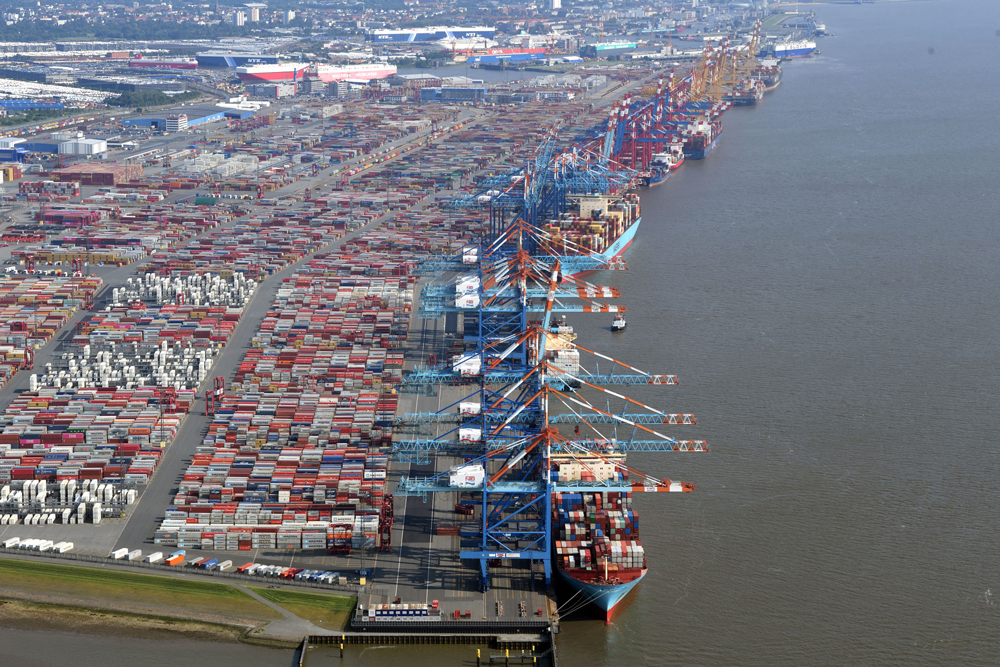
826	286
26	648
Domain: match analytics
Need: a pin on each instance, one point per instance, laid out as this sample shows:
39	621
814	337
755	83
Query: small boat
619	324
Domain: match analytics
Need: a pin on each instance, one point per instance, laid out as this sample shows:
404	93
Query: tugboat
619	324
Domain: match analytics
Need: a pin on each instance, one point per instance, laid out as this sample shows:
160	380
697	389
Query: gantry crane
503	423
525	375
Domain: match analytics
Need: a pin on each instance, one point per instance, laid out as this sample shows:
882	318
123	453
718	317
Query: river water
826	286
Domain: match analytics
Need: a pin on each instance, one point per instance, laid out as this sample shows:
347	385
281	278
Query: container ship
598	553
701	138
364	72
602	225
265	73
224	59
429	34
466	45
663	164
171	63
745	93
768	72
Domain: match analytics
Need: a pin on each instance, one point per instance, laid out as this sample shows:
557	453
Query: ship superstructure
235	59
363	72
794	49
268	73
430	34
166	63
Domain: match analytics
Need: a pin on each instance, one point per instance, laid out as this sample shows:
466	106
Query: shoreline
34	611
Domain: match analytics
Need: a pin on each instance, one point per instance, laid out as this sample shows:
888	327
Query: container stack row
66	501
459	155
353	531
278	482
273	369
304	418
95	173
277	497
49	188
246	247
293	458
66	253
12	359
130	198
109	235
157	332
88	435
597	531
33	310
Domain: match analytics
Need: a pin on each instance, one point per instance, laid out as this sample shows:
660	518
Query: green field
116	586
327	611
774	21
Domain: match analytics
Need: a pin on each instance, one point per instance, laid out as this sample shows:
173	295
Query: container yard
259	344
99	174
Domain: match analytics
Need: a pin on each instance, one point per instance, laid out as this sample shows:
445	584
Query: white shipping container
467	301
467	366
467	476
469	434
466	285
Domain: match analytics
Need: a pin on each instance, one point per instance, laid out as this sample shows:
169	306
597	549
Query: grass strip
125	587
328	611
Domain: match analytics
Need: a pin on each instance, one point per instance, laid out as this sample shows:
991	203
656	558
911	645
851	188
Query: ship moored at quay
320	416
298	71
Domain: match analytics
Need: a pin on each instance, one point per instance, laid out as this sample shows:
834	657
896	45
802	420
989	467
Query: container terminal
334	340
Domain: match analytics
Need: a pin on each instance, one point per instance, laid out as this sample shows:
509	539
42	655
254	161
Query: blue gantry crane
521	376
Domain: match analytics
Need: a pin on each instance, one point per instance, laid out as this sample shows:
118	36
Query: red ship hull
265	77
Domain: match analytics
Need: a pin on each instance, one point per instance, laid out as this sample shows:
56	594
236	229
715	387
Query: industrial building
35	74
414	80
28	105
133	84
345	88
274	91
607	49
452	94
63	143
181	118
